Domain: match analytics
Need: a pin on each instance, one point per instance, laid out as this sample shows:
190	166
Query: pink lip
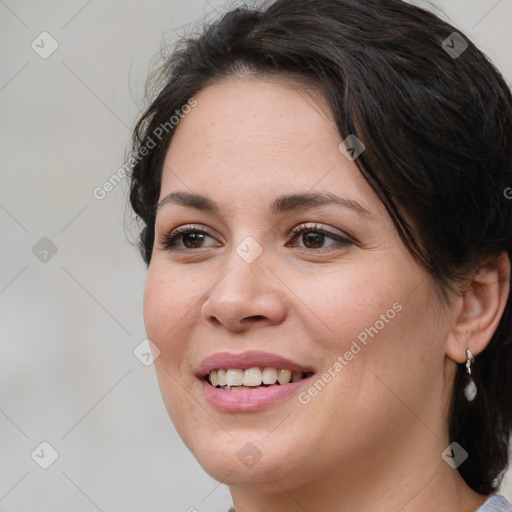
252	399
246	360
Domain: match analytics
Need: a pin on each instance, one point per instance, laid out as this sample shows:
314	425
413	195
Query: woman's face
344	300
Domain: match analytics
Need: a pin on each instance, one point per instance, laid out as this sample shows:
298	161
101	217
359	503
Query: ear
479	308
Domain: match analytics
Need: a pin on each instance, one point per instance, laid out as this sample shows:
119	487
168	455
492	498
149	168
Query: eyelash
169	241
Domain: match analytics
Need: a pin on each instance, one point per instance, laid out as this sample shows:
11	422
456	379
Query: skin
372	438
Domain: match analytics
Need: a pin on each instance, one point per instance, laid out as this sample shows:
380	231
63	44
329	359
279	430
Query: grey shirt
496	503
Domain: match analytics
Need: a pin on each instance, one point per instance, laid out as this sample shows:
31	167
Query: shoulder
496	503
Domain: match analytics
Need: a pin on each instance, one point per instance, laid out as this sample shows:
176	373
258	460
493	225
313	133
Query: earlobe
480	308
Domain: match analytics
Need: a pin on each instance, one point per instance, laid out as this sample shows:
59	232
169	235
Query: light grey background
68	375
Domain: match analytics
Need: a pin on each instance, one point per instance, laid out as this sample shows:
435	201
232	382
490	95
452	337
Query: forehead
253	116
259	137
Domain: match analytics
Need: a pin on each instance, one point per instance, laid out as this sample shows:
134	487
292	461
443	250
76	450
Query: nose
248	295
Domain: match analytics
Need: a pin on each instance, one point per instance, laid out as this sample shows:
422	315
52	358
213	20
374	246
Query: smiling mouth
235	379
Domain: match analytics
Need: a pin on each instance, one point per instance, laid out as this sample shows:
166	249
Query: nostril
253	318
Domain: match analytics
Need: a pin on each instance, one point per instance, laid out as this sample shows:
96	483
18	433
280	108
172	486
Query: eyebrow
282	204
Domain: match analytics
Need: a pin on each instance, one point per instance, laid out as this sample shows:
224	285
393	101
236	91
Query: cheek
380	321
166	296
350	300
384	334
170	305
170	301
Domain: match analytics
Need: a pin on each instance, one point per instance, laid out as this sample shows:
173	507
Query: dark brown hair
437	130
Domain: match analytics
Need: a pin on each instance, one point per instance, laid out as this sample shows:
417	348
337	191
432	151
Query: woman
326	224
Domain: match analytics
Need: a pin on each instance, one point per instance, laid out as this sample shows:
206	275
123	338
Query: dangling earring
470	389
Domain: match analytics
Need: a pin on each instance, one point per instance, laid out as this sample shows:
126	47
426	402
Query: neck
410	476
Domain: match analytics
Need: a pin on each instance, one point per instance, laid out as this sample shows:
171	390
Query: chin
239	462
234	460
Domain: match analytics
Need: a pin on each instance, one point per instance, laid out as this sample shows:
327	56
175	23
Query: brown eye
186	238
313	239
192	240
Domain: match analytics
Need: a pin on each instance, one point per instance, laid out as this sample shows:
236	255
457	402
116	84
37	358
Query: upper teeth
252	376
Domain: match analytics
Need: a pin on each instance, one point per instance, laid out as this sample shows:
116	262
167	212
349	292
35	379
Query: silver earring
470	389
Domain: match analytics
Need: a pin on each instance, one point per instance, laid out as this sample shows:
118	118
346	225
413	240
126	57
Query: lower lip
252	399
